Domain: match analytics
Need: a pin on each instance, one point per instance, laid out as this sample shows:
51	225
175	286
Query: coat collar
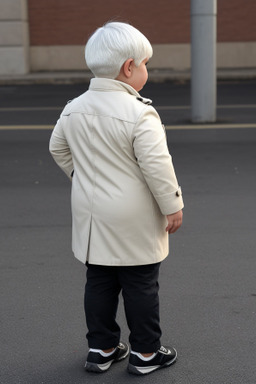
109	85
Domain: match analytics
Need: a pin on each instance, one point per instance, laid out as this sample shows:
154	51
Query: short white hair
111	45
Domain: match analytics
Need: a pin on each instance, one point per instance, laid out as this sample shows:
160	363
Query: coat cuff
170	203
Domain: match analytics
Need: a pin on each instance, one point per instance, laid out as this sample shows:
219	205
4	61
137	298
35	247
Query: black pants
139	286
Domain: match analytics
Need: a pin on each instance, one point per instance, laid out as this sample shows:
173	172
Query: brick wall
236	20
65	22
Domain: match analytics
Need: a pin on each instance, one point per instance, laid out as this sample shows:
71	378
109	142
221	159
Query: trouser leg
141	300
100	303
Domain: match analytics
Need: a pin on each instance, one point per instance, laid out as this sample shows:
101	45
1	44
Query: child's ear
127	67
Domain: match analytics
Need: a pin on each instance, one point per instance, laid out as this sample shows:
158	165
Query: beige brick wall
14	37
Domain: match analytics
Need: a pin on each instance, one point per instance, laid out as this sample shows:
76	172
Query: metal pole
203	60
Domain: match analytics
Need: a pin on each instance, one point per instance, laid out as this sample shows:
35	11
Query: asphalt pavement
207	284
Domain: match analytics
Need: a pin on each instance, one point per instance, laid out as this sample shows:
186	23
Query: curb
158	76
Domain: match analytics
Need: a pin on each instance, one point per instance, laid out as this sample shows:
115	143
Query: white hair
111	45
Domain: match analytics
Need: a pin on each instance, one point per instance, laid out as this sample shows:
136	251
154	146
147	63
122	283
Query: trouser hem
140	348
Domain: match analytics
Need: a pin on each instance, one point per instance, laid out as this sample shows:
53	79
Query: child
125	199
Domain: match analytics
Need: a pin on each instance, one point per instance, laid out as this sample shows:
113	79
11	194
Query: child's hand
174	222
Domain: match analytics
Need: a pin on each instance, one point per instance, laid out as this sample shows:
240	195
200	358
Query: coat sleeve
60	150
155	161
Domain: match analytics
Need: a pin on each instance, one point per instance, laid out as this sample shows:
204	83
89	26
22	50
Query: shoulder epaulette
144	100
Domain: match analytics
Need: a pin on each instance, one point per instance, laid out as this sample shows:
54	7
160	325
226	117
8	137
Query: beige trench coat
123	183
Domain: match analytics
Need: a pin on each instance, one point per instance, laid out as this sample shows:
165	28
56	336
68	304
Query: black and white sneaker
164	357
97	362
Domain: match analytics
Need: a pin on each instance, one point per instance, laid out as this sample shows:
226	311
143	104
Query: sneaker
97	363
164	357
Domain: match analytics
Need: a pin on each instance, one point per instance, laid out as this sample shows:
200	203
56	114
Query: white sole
136	370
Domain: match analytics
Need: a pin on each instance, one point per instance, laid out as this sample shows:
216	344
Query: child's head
111	45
